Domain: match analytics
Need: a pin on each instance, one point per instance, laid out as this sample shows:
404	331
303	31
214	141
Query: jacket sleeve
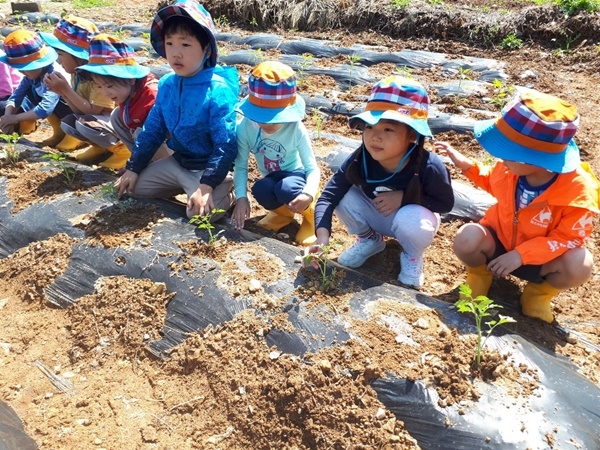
480	176
438	195
154	133
222	125
575	227
332	195
309	162
240	167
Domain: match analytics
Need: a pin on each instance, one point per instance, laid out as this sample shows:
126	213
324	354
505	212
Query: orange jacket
559	219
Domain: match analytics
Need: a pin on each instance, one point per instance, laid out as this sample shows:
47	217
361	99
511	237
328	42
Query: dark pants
527	272
279	188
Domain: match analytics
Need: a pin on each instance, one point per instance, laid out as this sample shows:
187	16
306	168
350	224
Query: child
273	132
90	122
194	109
31	100
390	186
9	81
546	198
113	68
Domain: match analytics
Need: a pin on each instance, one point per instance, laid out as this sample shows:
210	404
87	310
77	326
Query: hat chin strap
398	167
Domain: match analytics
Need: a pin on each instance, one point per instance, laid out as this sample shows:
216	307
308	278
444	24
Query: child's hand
300	203
8	120
241	212
126	183
505	264
56	82
313	254
457	158
388	202
201	201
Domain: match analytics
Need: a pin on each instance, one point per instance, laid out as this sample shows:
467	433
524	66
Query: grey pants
413	226
100	134
165	178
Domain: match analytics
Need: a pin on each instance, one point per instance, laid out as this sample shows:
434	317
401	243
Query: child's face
32	74
387	142
117	92
185	54
67	61
527	170
270	128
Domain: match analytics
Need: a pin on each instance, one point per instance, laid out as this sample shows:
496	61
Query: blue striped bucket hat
111	57
72	35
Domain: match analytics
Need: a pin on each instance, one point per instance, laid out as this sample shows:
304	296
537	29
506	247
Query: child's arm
457	158
242	209
311	170
56	82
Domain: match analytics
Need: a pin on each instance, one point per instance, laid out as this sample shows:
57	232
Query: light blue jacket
196	117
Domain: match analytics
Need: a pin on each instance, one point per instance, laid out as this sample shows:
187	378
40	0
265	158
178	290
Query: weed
203	222
463	74
222	21
12	155
572	7
327	276
480	308
109	193
569	40
253	23
318	119
502	93
399	4
511	42
59	161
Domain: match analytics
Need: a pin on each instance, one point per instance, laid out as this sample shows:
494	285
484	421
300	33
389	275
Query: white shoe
360	251
411	271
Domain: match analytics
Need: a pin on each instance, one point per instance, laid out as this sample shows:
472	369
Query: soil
224	387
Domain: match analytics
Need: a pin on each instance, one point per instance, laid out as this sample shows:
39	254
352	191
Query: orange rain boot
536	300
27	126
306	233
479	279
120	155
57	133
276	219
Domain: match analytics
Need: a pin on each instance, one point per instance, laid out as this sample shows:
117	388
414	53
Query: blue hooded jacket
196	116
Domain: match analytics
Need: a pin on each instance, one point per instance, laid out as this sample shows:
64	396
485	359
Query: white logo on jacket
543	218
584	224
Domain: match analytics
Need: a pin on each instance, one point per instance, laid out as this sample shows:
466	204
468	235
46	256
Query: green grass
83	4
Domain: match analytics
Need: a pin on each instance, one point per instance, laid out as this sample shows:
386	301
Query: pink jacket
9	80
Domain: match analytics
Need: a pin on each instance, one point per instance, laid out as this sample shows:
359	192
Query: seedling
203	222
503	93
222	21
327	276
353	60
58	160
511	42
318	123
405	72
463	74
12	155
306	62
109	193
258	56
480	307
399	4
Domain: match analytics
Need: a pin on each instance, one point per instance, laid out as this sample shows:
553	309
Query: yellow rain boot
120	155
27	126
536	300
70	143
306	233
276	219
479	279
91	154
57	133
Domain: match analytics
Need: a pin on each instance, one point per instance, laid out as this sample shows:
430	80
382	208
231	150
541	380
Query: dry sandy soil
224	387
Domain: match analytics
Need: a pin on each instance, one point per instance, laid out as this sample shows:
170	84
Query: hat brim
498	145
373	117
292	113
57	44
44	61
156	32
119	71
